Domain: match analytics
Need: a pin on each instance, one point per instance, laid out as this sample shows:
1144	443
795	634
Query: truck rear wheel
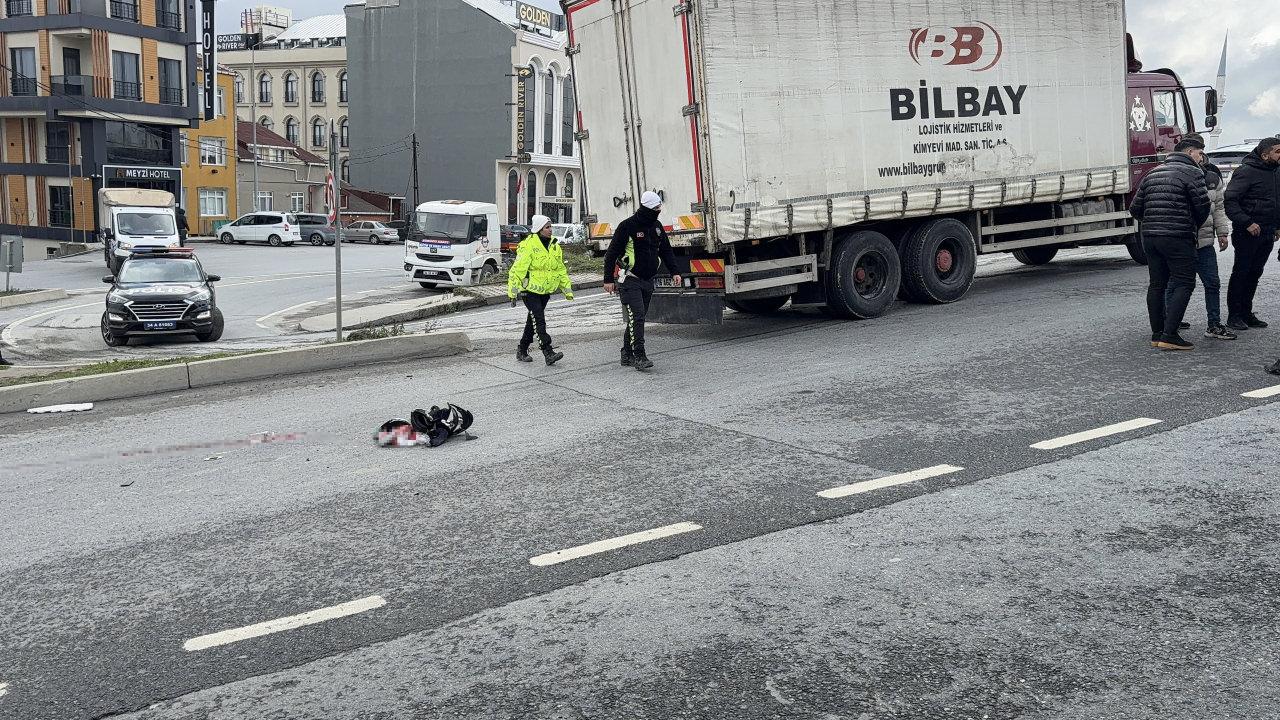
757	306
938	261
863	277
1036	255
1136	251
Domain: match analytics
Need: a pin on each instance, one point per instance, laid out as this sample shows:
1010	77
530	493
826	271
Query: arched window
317	87
548	111
552	184
342	86
513	197
293	130
344	133
290	88
267	122
239	89
568	185
531	109
318	132
567	120
264	88
531	195
346	170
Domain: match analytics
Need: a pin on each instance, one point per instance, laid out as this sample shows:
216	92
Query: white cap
538	222
651	200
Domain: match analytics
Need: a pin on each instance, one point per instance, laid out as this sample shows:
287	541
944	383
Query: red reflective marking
693	119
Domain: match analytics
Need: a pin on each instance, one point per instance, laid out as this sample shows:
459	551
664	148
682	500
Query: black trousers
1252	254
536	322
635	295
1172	264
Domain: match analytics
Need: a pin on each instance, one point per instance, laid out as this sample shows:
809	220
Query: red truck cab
1159	115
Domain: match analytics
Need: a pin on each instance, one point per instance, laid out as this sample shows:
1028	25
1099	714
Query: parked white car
273	228
567	234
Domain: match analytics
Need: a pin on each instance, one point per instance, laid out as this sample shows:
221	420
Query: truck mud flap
686	309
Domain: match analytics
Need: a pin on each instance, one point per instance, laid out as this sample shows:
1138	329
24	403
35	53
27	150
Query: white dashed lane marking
1086	436
601	546
884	482
1263	394
226	637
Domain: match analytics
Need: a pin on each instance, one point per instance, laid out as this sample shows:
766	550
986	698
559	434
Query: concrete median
31	298
94	388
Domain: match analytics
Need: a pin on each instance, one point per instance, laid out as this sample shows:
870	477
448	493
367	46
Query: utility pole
337	214
253	114
71	183
416	200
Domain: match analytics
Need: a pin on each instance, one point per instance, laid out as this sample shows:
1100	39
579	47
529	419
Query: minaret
1222	90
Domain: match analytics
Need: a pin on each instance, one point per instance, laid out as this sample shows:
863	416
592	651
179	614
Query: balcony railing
64	7
18	8
57	154
168	20
124	10
23	86
60	218
127	90
171	95
78	85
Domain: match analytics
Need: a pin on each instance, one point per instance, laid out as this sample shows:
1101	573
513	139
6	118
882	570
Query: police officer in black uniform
630	265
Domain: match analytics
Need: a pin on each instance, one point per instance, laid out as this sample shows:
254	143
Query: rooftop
267	138
320	27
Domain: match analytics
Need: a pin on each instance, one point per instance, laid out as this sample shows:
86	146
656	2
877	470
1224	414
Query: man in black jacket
1171	204
630	265
1253	205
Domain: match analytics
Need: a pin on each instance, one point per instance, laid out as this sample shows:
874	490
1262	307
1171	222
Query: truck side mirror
1211	102
1211	122
109	279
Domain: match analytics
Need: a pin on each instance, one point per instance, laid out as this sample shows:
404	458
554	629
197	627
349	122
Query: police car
161	291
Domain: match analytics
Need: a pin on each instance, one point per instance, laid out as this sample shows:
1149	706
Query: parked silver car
317	230
374	232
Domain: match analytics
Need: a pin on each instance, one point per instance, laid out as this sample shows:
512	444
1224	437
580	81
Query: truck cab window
1167	112
479	228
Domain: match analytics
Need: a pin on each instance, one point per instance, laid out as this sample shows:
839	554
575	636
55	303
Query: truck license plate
159	325
663	282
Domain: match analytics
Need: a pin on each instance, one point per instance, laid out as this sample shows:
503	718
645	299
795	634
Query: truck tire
863	277
758	306
1036	255
215	332
1136	251
938	261
488	271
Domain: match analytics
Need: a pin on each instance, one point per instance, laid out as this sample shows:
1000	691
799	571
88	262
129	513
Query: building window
18	8
263	201
239	89
168	15
60	206
220	102
317	133
548	111
213	202
57	142
568	185
290	88
293	130
124	10
213	151
344	133
170	82
183	140
264	88
267	122
531	195
342	86
131	143
569	116
127	81
297	202
317	87
346	170
552	185
531	109
23	62
513	197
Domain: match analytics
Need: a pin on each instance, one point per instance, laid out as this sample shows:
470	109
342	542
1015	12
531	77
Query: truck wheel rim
945	261
869	275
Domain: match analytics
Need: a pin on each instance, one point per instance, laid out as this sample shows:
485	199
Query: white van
134	219
453	243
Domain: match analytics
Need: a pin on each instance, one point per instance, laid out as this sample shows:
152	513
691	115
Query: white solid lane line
226	637
884	482
4	689
1263	394
1086	436
601	546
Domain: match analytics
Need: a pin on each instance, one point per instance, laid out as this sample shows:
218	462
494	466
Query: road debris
72	407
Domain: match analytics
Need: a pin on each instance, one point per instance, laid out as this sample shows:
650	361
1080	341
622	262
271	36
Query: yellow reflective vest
539	269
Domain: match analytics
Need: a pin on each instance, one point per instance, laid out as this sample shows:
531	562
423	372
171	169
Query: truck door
1171	119
637	101
1143	150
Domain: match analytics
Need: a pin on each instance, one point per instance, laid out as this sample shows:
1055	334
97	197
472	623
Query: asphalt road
259	284
1131	575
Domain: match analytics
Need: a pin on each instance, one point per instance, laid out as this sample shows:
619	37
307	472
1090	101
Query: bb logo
976	47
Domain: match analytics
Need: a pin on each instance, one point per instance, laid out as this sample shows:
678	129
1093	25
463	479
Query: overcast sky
1185	35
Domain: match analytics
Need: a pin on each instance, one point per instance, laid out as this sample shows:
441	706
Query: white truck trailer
132	219
844	153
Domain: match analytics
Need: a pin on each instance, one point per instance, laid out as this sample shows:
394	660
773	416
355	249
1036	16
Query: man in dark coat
183	228
1253	205
1171	204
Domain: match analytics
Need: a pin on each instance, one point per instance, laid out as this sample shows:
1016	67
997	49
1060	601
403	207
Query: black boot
626	357
522	354
640	361
552	356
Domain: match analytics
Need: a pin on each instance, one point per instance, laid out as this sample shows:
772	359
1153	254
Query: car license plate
159	325
665	283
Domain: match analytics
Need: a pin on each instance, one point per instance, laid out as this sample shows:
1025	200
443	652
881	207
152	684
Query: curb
208	373
31	298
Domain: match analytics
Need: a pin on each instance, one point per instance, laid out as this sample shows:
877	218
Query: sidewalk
427	307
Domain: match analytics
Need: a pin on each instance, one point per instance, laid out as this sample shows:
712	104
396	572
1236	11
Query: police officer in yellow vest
538	273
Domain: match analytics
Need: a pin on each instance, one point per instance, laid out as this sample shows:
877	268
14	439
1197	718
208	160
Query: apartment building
93	93
209	163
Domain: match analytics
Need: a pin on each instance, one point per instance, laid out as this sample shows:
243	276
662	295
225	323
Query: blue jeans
1207	269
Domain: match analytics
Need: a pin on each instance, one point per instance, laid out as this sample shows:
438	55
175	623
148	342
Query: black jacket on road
1172	200
1254	196
650	243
